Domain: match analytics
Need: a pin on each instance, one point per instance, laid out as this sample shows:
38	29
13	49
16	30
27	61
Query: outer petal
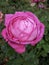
39	37
4	34
17	47
20	13
33	16
7	18
36	20
17	14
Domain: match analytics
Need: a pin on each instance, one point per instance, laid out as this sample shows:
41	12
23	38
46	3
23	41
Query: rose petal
7	18
33	35
20	13
25	43
39	37
4	34
17	14
33	17
17	47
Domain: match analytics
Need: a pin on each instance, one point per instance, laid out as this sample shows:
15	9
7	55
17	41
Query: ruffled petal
19	48
8	18
24	43
33	16
20	13
17	14
39	37
4	34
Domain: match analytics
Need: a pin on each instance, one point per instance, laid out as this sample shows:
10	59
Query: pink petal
4	34
33	17
39	37
19	14
25	43
7	18
33	35
19	48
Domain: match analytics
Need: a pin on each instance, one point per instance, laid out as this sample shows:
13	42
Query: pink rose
22	28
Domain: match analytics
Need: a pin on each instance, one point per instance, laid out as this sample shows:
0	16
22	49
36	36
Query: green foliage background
37	55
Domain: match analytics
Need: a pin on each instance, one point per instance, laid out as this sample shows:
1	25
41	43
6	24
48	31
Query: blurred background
37	55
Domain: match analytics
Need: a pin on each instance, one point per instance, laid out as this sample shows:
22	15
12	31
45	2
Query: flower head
22	28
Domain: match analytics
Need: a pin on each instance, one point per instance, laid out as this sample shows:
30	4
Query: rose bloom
22	28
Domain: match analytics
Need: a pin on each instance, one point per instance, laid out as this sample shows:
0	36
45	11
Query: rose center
23	28
27	25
